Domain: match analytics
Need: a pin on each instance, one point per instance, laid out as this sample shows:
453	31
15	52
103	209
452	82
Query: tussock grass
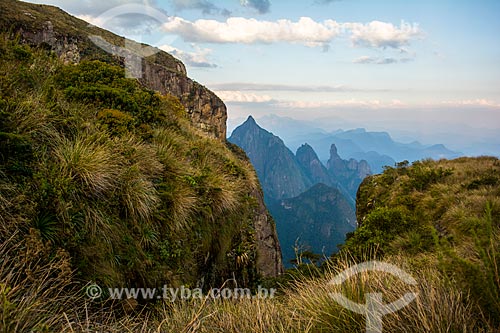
138	195
34	290
438	307
88	162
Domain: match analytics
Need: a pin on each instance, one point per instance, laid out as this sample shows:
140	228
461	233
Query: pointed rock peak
249	126
251	121
333	150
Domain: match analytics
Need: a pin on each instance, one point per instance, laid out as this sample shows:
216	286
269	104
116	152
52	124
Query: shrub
115	121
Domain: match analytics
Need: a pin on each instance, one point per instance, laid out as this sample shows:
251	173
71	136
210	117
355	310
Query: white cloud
364	60
305	31
381	34
392	104
473	102
242	30
241	97
199	58
351	103
245	86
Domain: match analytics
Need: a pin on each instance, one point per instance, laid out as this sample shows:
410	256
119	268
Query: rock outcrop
314	169
206	110
277	168
269	258
73	40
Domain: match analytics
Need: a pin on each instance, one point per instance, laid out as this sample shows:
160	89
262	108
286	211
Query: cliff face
206	110
269	258
70	38
73	41
319	219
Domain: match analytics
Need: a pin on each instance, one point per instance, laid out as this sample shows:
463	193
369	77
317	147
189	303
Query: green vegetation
113	174
443	214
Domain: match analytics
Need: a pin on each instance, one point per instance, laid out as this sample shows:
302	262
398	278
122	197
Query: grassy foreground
37	295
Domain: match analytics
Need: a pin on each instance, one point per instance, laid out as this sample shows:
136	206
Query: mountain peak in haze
279	172
312	166
250	121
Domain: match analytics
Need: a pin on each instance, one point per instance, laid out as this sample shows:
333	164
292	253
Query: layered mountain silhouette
277	167
313	204
379	149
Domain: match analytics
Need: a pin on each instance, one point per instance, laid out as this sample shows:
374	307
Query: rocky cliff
349	174
314	169
316	220
74	40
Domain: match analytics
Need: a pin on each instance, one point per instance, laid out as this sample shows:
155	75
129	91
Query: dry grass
36	295
34	291
438	307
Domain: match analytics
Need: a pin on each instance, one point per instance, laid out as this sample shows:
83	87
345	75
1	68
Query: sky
426	70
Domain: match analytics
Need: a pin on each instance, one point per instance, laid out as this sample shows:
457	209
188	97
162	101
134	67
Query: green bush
115	121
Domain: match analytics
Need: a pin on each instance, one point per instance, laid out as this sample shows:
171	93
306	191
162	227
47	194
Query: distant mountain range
377	148
312	204
284	174
312	195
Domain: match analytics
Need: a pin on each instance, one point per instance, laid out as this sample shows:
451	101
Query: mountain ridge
378	148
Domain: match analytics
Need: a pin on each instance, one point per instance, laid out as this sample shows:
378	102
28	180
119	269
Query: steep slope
309	203
443	215
316	220
117	176
70	38
276	166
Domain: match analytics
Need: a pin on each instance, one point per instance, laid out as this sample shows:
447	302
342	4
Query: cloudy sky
421	69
